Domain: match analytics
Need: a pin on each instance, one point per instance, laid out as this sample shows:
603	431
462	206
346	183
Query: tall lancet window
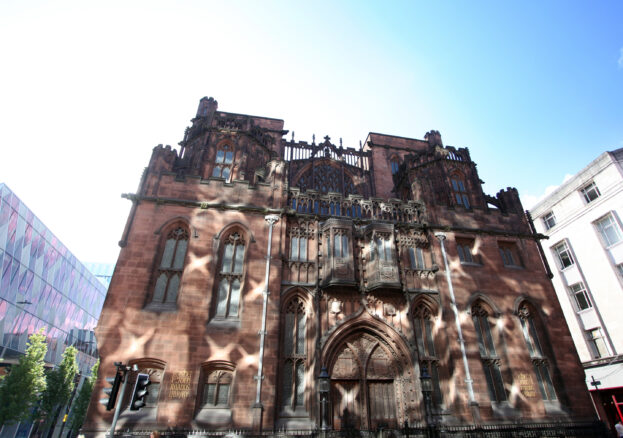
171	266
295	355
488	353
539	359
423	323
230	283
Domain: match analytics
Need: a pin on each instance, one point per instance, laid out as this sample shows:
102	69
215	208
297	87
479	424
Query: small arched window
223	163
230	277
459	190
171	265
295	355
217	389
488	353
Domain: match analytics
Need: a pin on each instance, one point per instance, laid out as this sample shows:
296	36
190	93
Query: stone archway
365	384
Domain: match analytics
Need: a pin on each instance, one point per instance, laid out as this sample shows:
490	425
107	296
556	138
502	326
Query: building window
340	245
155	370
295	355
223	163
381	248
549	220
609	230
539	360
464	248
298	248
395	165
509	254
578	292
171	266
416	257
590	192
563	253
423	323
216	389
620	270
597	343
230	275
458	190
488	354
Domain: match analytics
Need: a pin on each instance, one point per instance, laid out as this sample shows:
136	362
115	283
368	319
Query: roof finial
313	138
340	141
292	136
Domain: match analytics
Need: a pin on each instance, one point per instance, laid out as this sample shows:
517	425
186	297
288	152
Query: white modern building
584	250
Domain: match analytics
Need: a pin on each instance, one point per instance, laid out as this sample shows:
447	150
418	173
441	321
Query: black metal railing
595	429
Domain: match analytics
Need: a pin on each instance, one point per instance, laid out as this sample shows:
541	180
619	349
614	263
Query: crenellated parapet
507	201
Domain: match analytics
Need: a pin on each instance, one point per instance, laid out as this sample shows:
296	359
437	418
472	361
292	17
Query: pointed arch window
423	323
488	354
540	362
459	191
295	355
171	265
223	163
216	389
230	277
394	165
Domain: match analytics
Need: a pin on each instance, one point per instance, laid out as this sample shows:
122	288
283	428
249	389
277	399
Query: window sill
513	267
614	245
161	307
555	407
214	416
478	265
145	416
224	323
504	409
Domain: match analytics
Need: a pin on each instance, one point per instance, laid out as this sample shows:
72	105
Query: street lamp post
323	390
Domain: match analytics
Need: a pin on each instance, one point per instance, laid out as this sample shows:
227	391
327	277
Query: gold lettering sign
526	385
180	385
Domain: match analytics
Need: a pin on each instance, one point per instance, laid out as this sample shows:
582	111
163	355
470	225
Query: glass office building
43	285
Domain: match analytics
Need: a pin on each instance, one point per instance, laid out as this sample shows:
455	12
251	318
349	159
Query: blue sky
534	89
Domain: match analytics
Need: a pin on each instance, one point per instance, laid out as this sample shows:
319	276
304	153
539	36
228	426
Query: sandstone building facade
253	265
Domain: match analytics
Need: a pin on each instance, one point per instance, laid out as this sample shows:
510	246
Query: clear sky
87	89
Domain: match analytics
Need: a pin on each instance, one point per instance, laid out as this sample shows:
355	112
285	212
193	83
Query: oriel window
298	248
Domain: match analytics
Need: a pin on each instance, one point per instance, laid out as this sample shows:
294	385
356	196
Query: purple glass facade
42	284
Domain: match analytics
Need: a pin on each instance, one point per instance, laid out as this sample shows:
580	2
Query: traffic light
140	392
111	392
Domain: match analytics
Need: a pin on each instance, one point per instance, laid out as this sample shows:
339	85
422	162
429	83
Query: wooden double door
363	386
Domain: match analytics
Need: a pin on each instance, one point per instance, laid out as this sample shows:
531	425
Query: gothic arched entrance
365	384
